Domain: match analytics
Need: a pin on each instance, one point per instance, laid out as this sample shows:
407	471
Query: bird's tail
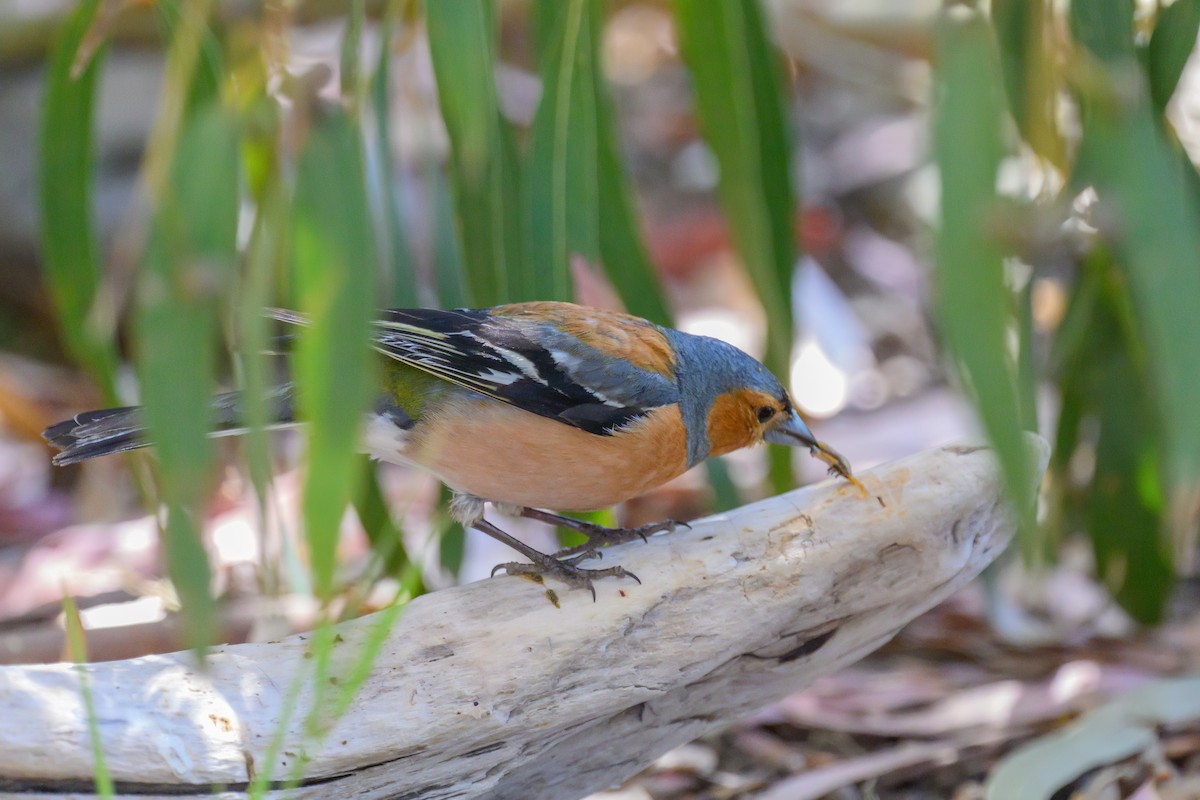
116	430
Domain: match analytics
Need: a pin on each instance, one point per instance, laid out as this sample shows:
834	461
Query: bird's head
744	402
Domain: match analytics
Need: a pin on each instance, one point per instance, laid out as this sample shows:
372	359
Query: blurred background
936	221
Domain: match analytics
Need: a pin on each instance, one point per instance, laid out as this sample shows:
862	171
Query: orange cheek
732	420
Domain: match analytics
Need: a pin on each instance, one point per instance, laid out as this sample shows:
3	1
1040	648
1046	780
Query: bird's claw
600	536
564	570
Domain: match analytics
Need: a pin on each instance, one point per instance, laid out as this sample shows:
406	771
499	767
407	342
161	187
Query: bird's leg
598	536
566	569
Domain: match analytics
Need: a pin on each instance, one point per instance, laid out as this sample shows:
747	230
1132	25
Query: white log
488	690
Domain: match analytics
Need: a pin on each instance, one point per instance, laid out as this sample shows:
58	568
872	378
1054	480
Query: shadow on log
488	690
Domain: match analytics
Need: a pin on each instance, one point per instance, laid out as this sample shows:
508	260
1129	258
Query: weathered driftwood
488	690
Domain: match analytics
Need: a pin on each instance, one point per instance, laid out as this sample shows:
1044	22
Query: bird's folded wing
530	361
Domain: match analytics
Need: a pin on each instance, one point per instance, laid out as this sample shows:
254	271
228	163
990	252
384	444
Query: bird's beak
792	432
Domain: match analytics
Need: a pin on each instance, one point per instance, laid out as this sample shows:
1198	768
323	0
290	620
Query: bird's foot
599	537
565	570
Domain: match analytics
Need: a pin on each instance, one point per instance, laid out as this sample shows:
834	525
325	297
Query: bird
536	408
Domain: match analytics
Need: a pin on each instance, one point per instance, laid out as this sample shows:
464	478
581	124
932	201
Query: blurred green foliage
322	209
1122	358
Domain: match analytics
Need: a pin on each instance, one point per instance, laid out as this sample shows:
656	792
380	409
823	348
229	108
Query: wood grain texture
488	690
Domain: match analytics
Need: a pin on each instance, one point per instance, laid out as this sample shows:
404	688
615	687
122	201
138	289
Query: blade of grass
193	80
332	258
1153	219
1171	44
1023	30
77	651
387	541
563	182
1124	512
188	263
974	304
452	538
451	287
579	197
349	59
739	102
65	173
265	259
484	166
399	274
622	251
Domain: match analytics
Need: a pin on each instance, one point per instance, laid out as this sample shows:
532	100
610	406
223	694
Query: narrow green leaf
264	262
1026	366
577	183
738	97
1024	28
725	492
1171	44
452	539
188	264
453	289
486	178
1125	508
66	166
77	651
622	250
1106	29
387	541
332	259
564	212
348	68
1154	224
739	101
399	275
974	303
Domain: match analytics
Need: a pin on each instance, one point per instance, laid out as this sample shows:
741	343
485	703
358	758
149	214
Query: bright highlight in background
818	386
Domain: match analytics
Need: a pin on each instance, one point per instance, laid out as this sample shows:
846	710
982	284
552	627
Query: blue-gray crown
705	369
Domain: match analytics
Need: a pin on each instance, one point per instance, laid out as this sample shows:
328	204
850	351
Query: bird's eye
765	413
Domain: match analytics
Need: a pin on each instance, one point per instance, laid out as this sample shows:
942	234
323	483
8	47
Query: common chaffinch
535	406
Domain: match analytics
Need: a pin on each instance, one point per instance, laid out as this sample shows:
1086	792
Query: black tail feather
96	433
117	430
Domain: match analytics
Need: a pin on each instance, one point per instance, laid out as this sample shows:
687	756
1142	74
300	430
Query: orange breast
501	453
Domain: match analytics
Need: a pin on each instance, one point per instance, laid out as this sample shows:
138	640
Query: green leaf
739	101
399	274
1152	218
1024	30
579	196
264	263
738	98
1124	512
332	260
452	538
387	541
1106	29
189	260
77	650
1104	384
622	251
349	59
564	212
1172	42
66	166
974	303
486	178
